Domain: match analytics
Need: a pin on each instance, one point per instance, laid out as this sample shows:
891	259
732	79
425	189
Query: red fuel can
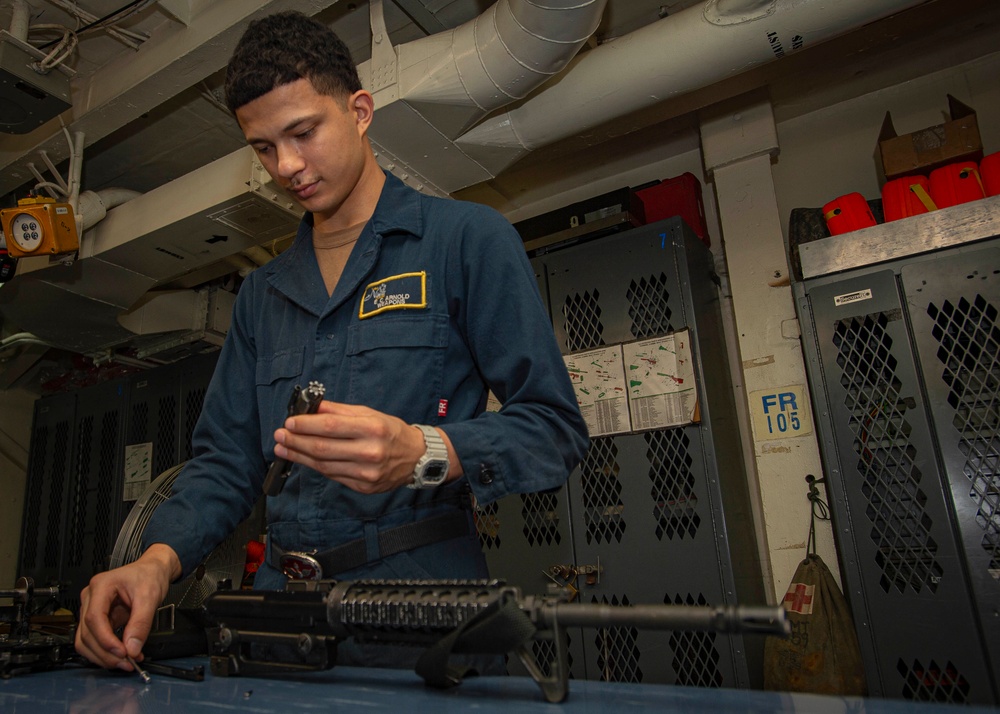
956	183
848	213
989	168
906	196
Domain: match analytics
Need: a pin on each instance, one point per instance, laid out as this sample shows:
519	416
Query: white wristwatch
432	468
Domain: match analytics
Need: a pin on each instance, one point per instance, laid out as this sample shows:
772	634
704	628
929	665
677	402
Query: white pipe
56	176
683	52
21	338
258	255
93	206
497	57
500	55
20	19
75	167
50	188
244	266
114	197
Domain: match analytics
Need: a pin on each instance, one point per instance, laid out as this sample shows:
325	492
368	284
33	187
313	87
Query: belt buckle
301	566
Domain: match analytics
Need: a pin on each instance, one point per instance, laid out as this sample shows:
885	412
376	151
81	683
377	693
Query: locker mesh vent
541	518
583	321
545	655
192	410
603	510
78	509
933	683
488	525
969	341
696	657
33	513
649	306
105	492
906	552
675	502
617	652
138	424
57	479
166	434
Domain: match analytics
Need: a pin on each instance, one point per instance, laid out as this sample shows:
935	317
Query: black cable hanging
820	510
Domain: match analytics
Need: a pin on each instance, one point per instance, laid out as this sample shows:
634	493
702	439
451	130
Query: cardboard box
922	151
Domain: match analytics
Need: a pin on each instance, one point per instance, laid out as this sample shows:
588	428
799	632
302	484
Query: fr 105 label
781	413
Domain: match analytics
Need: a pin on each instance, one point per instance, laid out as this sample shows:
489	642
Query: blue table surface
84	691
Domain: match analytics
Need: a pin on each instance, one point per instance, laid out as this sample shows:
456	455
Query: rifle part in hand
481	617
303	401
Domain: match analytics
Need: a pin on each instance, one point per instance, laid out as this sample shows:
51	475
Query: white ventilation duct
495	59
694	48
429	91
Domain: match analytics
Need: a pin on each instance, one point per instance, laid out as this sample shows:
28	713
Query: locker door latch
567	576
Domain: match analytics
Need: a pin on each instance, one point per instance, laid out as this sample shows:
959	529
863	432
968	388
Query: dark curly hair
281	48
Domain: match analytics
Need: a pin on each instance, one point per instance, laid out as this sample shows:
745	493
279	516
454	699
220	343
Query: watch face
26	232
435	471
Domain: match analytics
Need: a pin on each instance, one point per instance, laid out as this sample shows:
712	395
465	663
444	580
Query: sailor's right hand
124	599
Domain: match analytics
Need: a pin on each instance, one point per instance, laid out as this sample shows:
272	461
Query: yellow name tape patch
398	292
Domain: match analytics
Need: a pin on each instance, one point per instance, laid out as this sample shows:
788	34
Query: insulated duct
428	92
434	89
695	48
493	60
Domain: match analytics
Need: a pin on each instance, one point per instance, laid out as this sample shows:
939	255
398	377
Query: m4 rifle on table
305	622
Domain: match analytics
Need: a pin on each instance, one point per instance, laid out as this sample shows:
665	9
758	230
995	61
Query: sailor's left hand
366	450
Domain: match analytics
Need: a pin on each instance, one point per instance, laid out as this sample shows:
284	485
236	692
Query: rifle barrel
766	620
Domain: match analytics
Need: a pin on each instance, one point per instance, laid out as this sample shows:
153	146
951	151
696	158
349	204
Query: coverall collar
397	210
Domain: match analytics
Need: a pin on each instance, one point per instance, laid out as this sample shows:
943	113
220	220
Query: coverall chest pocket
276	377
396	364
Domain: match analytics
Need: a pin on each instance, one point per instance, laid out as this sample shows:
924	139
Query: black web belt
311	565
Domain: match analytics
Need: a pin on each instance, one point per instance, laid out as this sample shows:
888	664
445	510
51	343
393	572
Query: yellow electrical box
39	226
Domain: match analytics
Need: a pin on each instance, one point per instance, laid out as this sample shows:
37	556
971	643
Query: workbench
84	690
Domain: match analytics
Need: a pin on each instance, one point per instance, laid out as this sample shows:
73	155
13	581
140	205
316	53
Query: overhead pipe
431	90
20	20
94	205
496	58
694	48
75	174
21	338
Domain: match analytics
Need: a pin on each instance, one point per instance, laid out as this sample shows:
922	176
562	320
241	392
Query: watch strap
432	468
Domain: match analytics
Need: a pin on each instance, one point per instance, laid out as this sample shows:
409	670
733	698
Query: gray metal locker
49	461
665	513
93	494
74	505
903	365
164	405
